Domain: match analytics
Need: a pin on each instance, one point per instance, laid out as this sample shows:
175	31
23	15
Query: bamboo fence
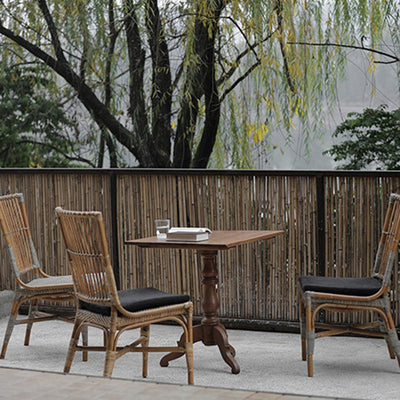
332	222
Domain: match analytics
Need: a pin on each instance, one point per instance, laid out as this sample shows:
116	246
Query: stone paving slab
34	385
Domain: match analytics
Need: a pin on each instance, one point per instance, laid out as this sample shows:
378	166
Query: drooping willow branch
249	49
348	46
278	9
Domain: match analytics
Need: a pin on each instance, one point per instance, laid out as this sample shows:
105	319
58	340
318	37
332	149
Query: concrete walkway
344	367
34	385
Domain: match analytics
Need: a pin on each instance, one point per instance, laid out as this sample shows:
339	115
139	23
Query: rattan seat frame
378	304
87	249
25	265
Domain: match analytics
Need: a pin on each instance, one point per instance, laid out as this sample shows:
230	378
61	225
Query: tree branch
250	47
348	46
232	70
85	93
56	149
53	31
240	79
278	9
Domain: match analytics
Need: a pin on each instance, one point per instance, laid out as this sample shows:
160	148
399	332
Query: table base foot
210	335
227	351
197	336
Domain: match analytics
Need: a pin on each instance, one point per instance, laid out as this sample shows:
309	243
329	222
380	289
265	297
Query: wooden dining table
210	331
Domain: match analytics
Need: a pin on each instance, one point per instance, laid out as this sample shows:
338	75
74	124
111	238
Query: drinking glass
162	227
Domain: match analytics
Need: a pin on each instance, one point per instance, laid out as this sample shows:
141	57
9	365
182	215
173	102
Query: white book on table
188	234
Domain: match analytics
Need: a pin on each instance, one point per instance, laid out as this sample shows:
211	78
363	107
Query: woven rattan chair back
17	235
355	294
389	242
87	250
32	283
100	306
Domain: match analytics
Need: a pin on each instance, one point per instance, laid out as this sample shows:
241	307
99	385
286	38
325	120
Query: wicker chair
102	306
32	284
354	294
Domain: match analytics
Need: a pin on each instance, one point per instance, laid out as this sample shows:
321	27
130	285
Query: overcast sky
355	94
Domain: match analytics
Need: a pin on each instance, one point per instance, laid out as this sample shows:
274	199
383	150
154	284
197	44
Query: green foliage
157	80
371	139
31	122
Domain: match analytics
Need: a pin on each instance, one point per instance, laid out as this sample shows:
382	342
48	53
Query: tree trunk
200	81
161	96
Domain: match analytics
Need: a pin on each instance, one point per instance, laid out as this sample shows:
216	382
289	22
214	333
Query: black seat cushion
346	286
138	300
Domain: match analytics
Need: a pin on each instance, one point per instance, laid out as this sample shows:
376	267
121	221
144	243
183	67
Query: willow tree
163	80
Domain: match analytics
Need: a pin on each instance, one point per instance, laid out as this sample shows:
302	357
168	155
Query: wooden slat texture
257	281
355	212
42	193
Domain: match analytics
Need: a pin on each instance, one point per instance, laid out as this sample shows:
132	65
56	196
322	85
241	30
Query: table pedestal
211	332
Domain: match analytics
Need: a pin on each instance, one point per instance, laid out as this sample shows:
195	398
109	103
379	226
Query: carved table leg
211	332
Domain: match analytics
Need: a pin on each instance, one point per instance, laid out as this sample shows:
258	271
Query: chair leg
110	354
33	307
310	339
393	344
310	367
387	326
189	361
384	329
72	346
303	331
85	342
10	326
189	345
392	339
105	338
145	332
392	354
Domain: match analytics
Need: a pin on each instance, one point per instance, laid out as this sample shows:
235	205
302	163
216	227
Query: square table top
218	240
